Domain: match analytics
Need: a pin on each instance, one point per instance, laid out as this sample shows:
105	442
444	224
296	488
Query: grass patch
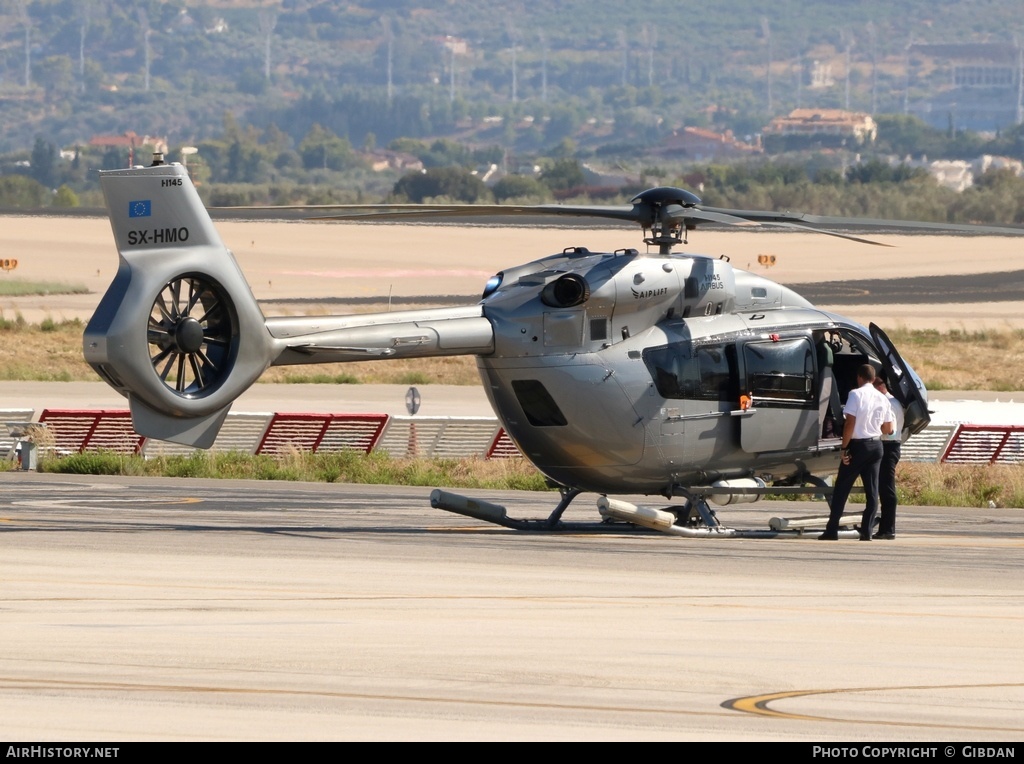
344	467
18	288
16	324
960	485
414	378
27	372
47	352
93	463
293	378
965	360
920	484
455	370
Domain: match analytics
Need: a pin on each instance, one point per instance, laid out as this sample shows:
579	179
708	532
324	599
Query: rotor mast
665	235
663	212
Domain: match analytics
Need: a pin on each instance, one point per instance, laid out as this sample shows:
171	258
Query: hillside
375	71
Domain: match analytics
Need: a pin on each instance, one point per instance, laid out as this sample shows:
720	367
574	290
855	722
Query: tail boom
404	334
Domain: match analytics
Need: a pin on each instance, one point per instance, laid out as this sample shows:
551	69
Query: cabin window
704	372
538	405
780	371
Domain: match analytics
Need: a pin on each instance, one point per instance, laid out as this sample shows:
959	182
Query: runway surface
158	609
967	289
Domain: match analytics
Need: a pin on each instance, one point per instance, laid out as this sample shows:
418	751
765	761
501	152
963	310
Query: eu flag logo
140	209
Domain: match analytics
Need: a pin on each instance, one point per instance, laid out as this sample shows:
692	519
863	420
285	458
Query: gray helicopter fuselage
577	387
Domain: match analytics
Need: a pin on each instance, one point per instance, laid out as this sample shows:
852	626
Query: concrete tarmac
178	609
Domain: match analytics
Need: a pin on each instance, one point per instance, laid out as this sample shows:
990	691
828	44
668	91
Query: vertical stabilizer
156	207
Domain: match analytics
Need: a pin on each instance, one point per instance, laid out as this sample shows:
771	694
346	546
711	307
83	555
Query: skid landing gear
497	514
698	518
694	518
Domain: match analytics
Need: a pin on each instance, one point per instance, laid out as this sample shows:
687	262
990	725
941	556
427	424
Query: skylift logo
140	209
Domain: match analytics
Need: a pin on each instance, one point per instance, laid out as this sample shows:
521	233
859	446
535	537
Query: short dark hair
866	372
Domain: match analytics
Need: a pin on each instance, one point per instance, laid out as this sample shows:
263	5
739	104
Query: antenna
906	75
847	38
267	22
26	21
1020	80
146	31
451	69
543	68
624	44
514	39
515	75
84	14
390	38
799	80
651	42
872	35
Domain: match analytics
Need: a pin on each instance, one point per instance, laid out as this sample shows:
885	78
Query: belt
863	440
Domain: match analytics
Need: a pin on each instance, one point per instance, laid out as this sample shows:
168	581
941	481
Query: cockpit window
705	372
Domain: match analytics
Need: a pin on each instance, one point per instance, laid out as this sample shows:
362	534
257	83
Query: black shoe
829	536
864	537
886	536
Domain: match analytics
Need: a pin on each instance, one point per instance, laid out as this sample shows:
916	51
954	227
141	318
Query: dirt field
322	261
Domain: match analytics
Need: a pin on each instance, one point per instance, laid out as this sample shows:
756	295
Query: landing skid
693	519
497	514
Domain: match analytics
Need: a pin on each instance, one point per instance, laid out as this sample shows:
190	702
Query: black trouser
865	459
887	485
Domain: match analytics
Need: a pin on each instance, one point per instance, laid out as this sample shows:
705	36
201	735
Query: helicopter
615	373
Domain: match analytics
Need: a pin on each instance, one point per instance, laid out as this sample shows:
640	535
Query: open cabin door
780	380
903	383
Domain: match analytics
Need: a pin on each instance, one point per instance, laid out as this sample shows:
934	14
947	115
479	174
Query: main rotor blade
827	232
811	223
428	211
702	214
434	211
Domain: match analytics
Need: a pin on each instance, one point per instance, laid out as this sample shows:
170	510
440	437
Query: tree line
248	165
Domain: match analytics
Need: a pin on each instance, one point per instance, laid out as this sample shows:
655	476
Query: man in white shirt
887	470
868	415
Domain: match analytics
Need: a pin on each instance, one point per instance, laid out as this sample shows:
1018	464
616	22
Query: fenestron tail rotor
191	333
